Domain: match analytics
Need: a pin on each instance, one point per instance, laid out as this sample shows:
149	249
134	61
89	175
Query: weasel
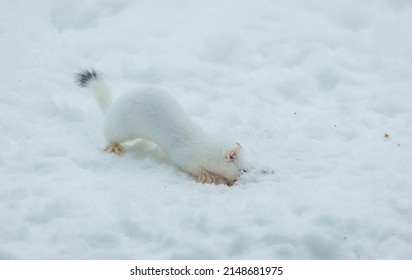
153	114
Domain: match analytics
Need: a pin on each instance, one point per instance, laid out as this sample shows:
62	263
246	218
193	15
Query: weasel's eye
243	170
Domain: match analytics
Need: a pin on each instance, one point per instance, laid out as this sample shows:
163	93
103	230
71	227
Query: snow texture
319	94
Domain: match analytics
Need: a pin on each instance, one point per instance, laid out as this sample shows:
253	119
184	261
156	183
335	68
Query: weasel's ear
233	154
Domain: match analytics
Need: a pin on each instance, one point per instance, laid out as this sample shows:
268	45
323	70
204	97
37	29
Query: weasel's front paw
205	178
209	178
116	149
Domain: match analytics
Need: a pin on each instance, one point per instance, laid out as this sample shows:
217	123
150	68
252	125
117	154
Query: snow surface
309	88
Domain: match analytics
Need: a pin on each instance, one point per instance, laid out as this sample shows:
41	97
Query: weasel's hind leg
115	149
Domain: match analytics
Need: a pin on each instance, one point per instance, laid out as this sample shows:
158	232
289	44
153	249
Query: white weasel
154	115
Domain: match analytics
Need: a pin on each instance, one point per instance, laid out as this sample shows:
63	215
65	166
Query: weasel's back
153	114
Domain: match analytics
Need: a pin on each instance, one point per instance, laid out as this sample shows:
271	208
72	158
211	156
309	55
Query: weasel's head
230	164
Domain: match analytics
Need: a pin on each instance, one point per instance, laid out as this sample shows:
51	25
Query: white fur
154	115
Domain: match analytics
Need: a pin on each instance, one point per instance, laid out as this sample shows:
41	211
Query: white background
120	270
309	88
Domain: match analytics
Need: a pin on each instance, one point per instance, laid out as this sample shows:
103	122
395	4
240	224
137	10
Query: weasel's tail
91	79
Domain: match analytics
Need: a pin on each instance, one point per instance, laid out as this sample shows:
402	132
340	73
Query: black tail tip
83	78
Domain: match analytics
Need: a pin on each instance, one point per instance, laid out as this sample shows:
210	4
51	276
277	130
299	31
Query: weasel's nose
243	170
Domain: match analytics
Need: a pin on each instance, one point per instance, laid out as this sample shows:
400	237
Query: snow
309	88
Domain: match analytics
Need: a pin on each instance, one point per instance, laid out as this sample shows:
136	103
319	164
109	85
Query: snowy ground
309	88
